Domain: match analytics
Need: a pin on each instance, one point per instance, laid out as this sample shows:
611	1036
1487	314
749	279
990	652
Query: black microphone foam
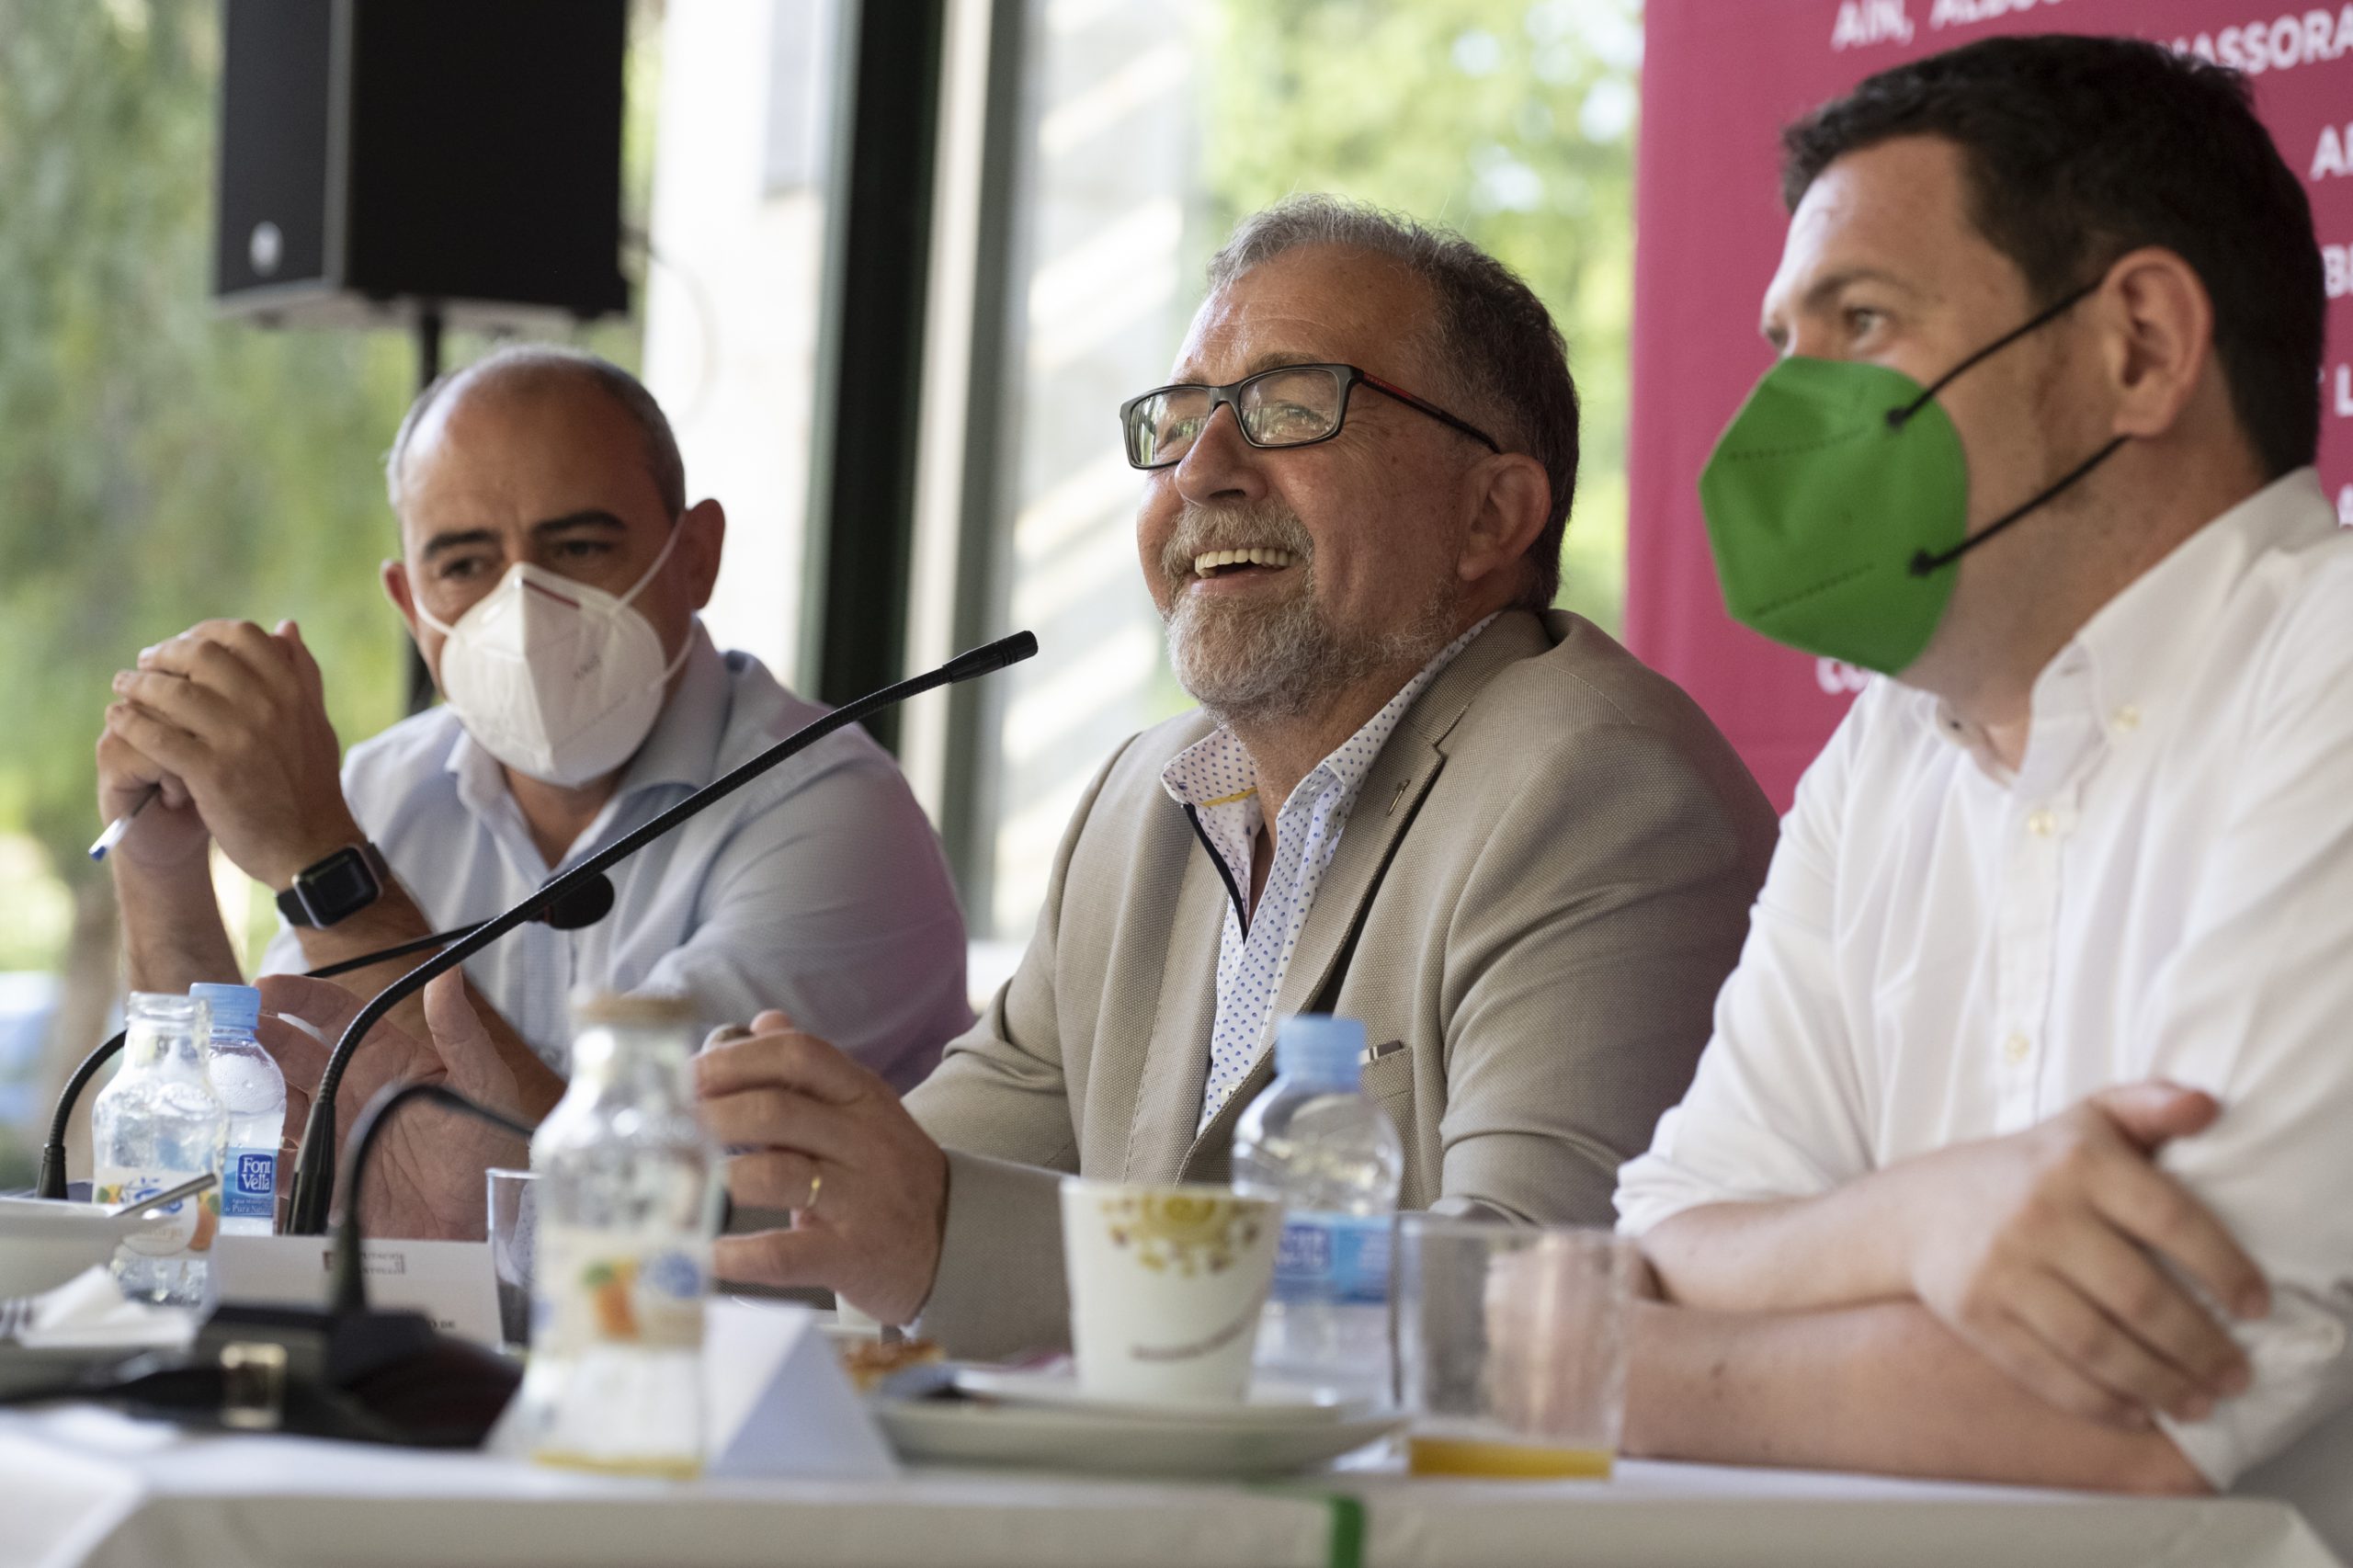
582	906
990	657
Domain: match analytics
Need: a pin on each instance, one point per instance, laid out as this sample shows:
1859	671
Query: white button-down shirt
819	888
2164	889
1216	781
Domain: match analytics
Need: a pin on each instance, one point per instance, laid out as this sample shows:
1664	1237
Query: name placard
449	1282
777	1402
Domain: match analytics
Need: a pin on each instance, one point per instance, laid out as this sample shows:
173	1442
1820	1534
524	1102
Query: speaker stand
428	371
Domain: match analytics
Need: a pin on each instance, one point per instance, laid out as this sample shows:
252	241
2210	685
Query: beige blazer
1546	877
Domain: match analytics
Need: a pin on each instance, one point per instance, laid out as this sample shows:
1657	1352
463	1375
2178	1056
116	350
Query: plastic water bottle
155	1126
253	1091
1315	1143
627	1204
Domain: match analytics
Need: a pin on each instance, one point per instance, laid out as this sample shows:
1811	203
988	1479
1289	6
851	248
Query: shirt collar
683	746
681	749
2122	664
1217	770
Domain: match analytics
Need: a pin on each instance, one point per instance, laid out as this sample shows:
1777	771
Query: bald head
539	373
549	458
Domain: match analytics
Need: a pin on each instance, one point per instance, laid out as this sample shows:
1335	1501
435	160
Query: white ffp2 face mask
554	678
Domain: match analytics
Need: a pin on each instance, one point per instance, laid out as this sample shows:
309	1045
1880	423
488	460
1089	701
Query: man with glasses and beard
1413	796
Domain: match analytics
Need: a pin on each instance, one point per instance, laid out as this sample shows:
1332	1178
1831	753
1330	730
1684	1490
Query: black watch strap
336	887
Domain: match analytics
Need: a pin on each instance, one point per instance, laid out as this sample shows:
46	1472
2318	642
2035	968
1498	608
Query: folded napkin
87	1313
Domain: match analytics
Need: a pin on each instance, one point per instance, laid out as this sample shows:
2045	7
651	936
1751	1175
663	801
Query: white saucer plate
1269	1404
1103	1442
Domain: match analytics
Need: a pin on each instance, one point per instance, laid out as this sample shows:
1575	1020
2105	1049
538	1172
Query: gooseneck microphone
347	1281
314	1182
584	906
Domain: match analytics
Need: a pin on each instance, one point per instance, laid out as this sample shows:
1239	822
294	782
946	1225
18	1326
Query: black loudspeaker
383	159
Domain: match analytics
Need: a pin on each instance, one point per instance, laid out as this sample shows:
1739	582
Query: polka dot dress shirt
1217	783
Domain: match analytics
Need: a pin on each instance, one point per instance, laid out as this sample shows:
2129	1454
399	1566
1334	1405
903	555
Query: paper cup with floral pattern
1167	1284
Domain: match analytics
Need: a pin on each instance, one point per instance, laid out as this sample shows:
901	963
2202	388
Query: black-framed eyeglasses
1292	405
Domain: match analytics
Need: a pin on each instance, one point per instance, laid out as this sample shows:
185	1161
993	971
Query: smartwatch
336	887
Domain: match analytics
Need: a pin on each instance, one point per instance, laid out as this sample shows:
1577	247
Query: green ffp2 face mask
1837	501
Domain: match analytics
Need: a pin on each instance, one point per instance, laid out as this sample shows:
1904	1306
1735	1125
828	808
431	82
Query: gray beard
1247	665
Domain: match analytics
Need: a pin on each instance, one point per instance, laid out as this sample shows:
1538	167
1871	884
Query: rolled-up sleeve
2257	1008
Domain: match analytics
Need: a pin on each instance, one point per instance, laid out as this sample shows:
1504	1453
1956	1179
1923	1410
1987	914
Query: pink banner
1720	79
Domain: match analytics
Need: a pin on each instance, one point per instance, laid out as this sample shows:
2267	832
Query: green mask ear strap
1896	417
1922	563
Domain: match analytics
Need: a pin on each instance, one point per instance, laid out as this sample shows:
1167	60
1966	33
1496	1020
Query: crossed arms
1994	1312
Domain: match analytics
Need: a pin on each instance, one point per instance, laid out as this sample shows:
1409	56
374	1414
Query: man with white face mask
551	571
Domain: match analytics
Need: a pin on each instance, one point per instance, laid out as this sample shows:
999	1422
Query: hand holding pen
122	824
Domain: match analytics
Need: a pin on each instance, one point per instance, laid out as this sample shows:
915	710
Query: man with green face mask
2021	1148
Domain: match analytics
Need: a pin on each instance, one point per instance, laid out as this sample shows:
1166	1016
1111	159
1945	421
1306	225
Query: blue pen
122	824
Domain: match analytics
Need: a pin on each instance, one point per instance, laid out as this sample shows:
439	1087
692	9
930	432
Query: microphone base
415	1384
371	1377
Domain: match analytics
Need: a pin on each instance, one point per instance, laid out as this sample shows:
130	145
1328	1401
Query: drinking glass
512	1224
1511	1346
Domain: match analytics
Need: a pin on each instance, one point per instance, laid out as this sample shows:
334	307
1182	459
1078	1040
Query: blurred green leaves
1510	120
158	465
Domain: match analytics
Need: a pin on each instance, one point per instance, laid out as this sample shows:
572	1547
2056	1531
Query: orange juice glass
1511	1348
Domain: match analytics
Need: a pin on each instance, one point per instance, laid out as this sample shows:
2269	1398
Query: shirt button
2043	825
2016	1050
2125	719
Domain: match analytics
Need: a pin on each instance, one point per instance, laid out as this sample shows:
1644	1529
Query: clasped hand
2067	1257
229	723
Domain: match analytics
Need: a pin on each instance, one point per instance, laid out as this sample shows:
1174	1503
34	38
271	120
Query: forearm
172	933
1882	1388
1841	1248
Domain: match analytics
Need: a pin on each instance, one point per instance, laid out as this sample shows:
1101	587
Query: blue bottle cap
233	1006
1317	1047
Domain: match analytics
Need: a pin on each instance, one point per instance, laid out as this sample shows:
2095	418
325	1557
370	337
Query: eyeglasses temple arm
1433	410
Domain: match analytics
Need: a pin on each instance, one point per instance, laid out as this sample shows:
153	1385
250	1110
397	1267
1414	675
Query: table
83	1488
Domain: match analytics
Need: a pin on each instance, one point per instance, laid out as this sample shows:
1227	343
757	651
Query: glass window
1150	130
732	291
164	465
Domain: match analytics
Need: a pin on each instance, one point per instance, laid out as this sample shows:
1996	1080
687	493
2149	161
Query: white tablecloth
82	1488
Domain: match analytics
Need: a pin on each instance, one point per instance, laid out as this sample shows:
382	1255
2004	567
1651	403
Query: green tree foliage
1510	120
162	464
158	464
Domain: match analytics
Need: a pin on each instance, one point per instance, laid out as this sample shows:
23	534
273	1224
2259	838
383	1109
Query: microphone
585	904
314	1182
342	1371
